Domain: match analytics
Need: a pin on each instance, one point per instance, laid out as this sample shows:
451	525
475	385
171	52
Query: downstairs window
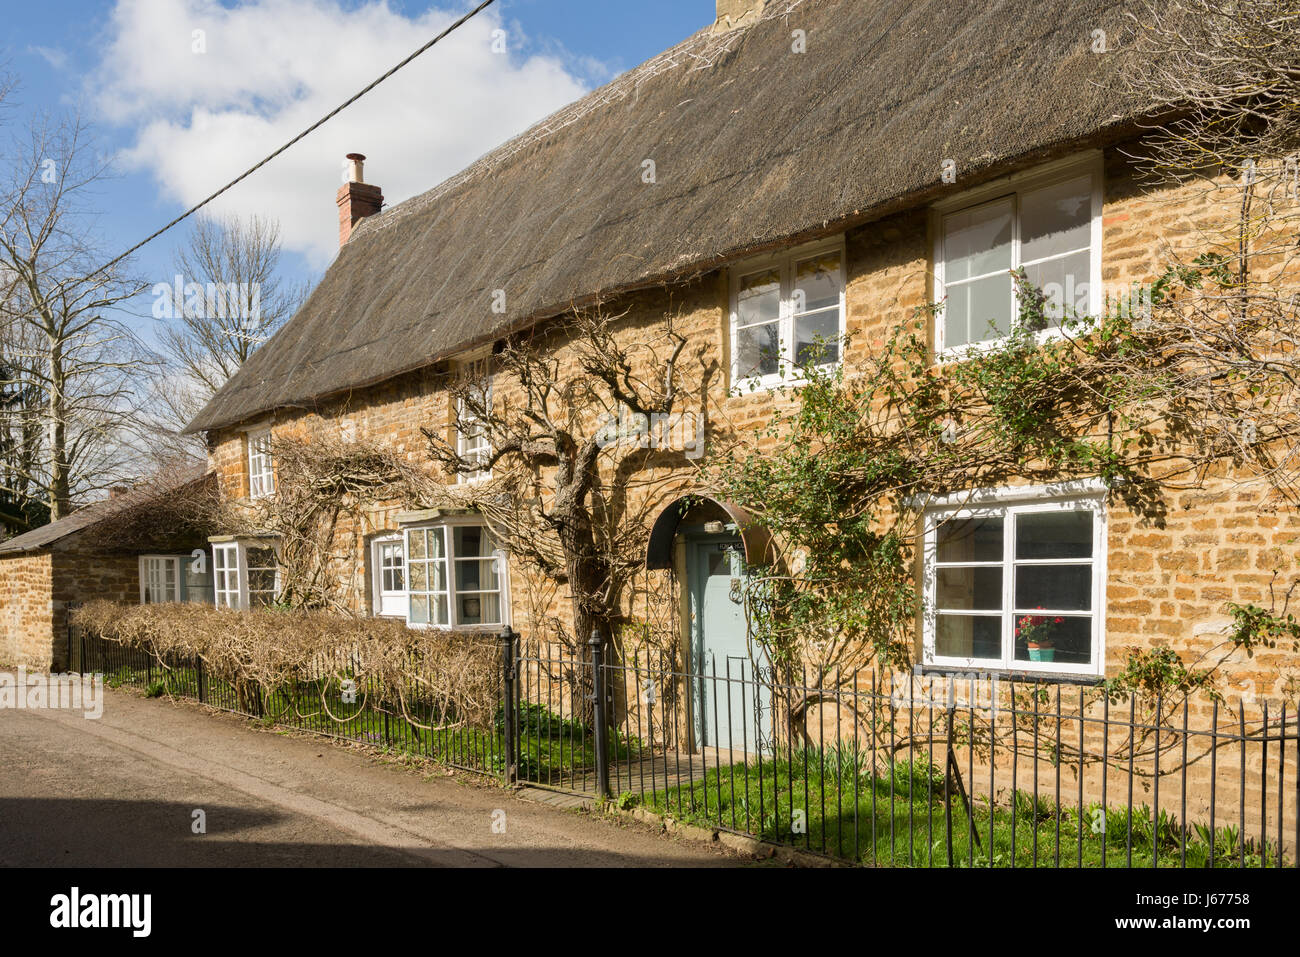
1016	584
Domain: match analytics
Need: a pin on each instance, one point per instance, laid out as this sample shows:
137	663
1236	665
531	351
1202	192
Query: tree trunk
60	493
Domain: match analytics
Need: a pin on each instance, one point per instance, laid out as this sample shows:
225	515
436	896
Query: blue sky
179	124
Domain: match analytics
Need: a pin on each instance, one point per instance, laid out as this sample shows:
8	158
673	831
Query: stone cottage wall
1168	585
26	610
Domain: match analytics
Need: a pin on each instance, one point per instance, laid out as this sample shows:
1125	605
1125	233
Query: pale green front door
732	709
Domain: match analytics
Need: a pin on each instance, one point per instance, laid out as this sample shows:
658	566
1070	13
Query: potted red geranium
1037	632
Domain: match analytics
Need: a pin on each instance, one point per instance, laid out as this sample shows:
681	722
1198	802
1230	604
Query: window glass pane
437	542
1054	587
977	241
759	298
816	338
419	548
470	541
1063	534
968	636
1056	219
477	575
1064	282
481	609
419	609
1064	641
419	576
976	588
817	283
977	311
970	540
758	350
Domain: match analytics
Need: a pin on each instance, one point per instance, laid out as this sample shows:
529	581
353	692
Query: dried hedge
272	649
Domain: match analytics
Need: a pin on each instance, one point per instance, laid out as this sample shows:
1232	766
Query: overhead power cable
315	126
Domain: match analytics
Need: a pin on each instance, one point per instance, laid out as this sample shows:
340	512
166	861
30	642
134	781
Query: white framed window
455	577
245	574
1047	222
160	579
787	312
1015	581
225	575
472	441
261	473
388	572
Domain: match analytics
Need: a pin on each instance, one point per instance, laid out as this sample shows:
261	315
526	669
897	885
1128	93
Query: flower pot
1037	653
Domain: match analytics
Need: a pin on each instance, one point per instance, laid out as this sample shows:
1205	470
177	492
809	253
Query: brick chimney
737	13
357	199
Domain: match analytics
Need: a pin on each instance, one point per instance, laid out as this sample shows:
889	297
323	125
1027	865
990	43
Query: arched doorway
711	546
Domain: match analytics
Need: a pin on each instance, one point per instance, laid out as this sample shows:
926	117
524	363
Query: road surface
122	791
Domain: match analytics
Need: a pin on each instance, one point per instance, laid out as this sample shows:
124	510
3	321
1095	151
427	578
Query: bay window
455	576
787	313
246	574
1045	223
1015	581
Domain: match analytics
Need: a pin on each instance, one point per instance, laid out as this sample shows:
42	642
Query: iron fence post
508	666
599	714
198	668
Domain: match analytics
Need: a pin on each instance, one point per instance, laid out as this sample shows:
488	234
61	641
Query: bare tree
566	494
69	351
226	299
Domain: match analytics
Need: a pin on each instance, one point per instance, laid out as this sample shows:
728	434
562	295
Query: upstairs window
787	313
472	443
1049	226
455	576
261	476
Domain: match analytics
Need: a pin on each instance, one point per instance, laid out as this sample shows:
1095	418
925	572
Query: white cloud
272	67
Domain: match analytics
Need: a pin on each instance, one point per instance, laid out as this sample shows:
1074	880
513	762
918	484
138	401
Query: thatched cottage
883	155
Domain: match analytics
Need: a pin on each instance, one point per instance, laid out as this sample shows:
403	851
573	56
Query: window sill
748	387
1028	677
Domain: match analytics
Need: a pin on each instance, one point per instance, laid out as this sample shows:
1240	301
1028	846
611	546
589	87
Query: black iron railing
906	770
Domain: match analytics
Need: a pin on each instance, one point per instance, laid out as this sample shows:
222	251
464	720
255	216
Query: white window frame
378	568
229	552
239	549
175	561
261	467
787	372
1012	187
467	446
498	555
1007	503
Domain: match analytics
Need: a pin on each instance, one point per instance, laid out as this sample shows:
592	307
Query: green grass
897	817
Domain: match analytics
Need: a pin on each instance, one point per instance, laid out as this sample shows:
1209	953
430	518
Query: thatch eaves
753	144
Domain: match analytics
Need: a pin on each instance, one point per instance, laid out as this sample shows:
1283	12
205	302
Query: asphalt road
122	791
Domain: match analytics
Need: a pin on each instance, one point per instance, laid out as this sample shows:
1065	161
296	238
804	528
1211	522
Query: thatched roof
129	508
753	145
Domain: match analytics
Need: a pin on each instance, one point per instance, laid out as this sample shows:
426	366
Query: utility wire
324	119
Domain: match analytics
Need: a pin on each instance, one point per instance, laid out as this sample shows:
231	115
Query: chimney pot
357	199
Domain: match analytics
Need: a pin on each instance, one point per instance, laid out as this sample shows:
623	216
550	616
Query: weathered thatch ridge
760	146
